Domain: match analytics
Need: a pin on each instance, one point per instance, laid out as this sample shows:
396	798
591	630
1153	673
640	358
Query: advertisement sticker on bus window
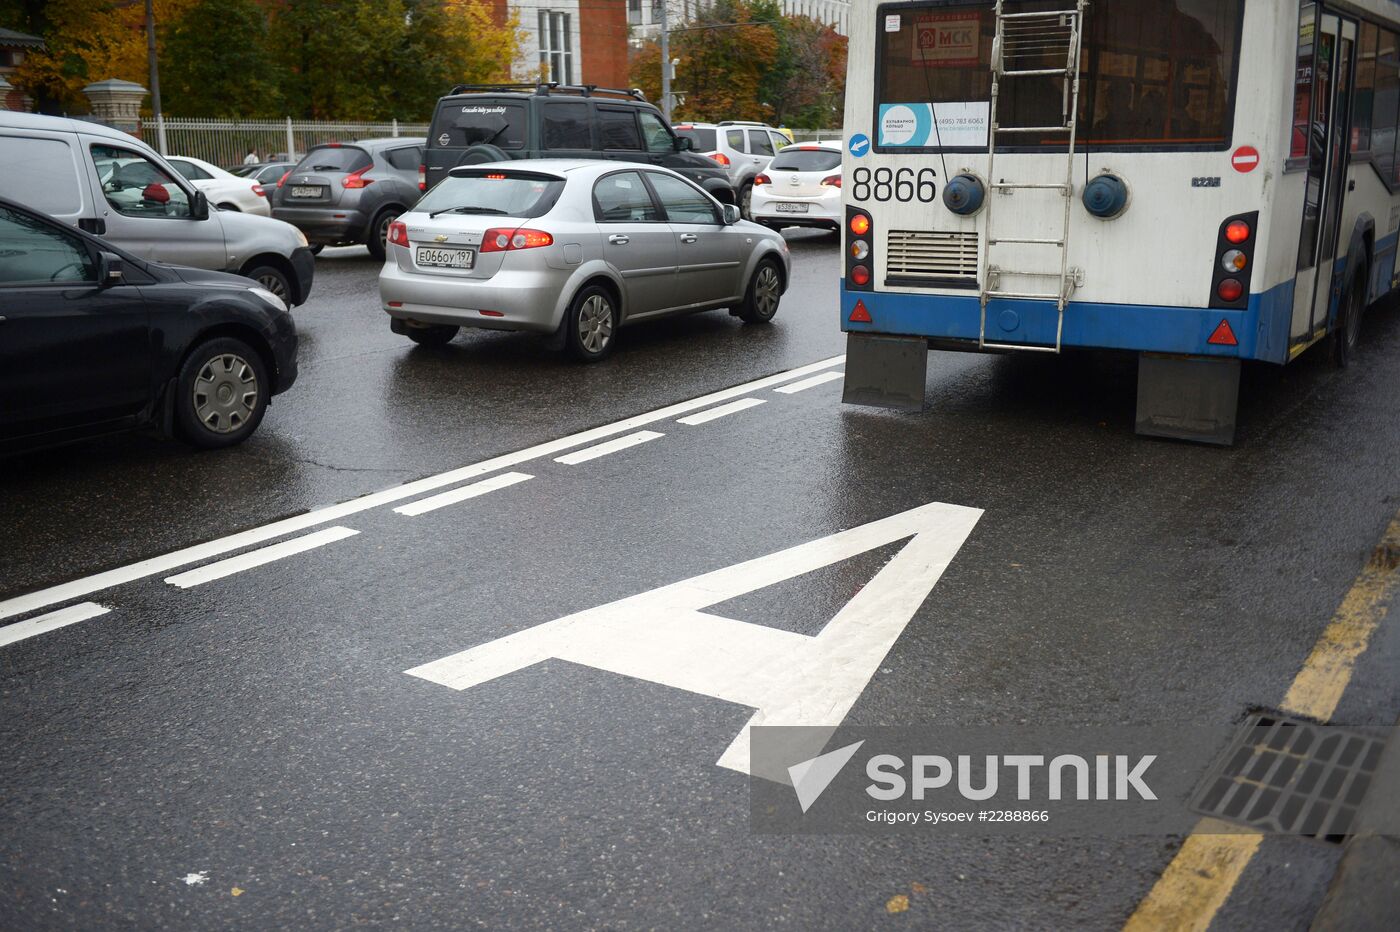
892	23
948	40
959	125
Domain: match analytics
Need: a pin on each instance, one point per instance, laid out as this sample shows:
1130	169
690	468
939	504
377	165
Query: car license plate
785	208
301	190
445	258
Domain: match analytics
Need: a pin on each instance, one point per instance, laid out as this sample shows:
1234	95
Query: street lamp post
665	65
151	57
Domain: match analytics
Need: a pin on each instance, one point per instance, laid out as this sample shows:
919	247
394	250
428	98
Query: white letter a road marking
790	679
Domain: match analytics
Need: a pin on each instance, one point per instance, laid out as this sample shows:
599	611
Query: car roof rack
545	89
742	123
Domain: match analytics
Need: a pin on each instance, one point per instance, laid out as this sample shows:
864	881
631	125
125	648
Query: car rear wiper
466	209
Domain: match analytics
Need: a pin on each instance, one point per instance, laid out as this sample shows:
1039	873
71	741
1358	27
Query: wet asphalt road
259	730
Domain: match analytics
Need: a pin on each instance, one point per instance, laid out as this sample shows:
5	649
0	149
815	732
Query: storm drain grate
1291	776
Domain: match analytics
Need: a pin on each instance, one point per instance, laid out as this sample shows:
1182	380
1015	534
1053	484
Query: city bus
1198	182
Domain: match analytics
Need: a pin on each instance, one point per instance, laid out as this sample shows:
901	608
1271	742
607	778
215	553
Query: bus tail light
860	249
1234	261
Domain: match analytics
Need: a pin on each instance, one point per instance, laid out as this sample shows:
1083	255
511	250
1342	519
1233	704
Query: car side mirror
684	143
111	270
731	214
199	207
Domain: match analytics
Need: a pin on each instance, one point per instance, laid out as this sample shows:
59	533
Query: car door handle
688	237
621	239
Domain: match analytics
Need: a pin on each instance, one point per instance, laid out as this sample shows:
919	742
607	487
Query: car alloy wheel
767	291
595	323
274	283
225	393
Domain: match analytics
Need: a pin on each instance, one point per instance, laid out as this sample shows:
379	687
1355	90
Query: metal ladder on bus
1033	36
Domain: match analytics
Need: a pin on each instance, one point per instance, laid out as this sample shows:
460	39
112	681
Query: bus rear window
1158	75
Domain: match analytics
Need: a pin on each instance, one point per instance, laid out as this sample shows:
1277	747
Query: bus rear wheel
1348	329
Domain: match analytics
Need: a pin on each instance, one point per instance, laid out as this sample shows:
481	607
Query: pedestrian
251	158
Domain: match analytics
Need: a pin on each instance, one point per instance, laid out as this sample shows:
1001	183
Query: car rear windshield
798	159
1157	75
334	159
704	138
459	124
494	193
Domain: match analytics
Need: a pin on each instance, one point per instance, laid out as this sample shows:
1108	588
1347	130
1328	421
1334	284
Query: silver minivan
115	186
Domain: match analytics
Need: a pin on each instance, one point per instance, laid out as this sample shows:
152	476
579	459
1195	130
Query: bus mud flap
885	372
1188	397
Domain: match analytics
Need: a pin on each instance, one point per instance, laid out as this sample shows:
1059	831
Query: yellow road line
1318	687
1199	879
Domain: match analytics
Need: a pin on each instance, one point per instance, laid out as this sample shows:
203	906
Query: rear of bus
1165	255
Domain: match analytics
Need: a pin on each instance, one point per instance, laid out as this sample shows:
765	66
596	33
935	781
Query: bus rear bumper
1259	331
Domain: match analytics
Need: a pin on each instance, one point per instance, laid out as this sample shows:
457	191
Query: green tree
217	63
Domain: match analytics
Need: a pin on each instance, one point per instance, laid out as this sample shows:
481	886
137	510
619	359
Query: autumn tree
87	41
216	63
746	60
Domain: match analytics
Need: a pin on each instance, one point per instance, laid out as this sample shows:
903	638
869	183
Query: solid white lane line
603	449
246	561
198	553
813	382
64	616
734	407
460	495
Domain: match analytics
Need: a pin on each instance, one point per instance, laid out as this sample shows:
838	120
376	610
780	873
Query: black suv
474	124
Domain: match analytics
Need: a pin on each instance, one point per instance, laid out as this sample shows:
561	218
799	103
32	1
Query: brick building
571	41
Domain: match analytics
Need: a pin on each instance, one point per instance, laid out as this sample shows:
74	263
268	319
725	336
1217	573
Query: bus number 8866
885	184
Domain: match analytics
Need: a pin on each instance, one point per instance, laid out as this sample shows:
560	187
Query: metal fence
226	142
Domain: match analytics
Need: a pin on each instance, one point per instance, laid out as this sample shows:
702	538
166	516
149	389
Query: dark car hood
693	161
195	276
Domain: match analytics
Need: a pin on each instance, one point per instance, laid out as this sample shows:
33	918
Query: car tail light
721	158
398	233
422	177
860	250
357	179
283	180
1234	255
504	239
761	180
259	190
831	181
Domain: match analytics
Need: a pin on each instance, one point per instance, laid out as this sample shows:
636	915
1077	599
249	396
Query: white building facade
549	40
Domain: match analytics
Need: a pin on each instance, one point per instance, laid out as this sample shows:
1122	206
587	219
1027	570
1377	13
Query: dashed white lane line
86	585
463	493
246	561
813	382
64	616
734	407
603	449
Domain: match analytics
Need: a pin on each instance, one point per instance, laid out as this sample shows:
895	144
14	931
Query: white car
224	189
801	187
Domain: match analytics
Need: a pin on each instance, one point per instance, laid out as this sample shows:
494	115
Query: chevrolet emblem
440	238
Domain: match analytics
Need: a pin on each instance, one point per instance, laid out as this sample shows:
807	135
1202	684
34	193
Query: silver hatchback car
576	248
